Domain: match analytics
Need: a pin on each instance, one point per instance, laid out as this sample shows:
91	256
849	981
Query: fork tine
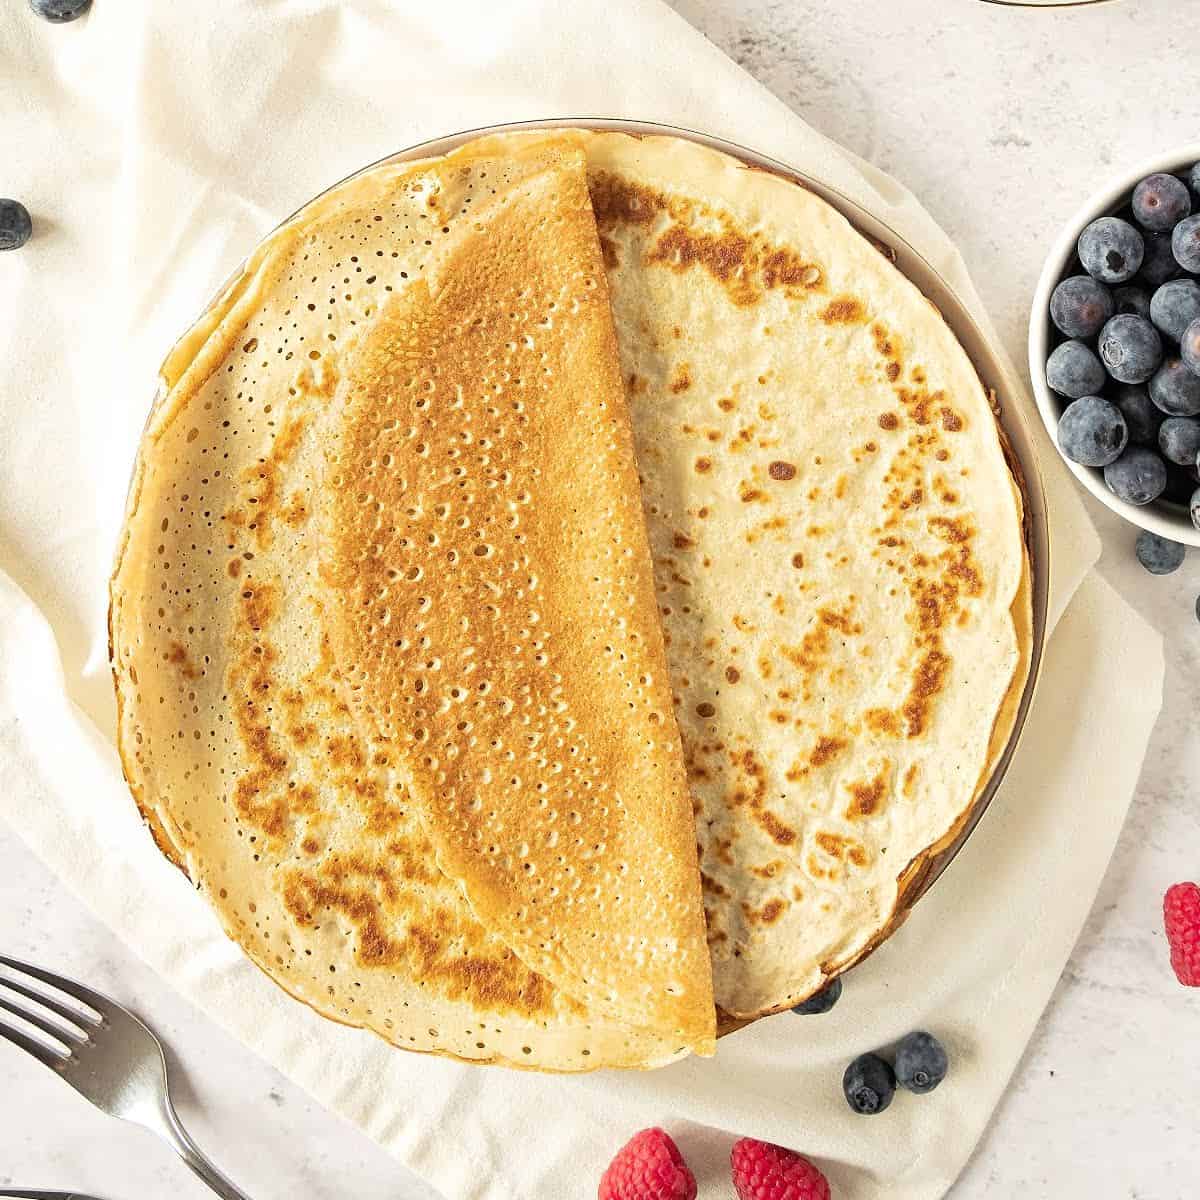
78	1016
68	1037
40	1051
101	1004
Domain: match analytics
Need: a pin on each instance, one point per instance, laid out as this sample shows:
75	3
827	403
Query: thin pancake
491	603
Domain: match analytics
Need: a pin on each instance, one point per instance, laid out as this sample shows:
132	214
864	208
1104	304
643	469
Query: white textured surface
998	120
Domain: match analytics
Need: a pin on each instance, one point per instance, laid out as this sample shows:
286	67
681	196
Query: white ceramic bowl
1169	520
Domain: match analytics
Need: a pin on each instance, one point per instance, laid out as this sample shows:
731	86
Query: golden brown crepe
491	605
287	812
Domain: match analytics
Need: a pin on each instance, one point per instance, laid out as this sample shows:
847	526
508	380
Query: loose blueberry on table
921	1062
1159	555
60	11
16	226
1126	365
869	1084
822	1001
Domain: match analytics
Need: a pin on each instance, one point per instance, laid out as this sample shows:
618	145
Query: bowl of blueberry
1114	346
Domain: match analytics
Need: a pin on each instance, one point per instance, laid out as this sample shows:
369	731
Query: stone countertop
1000	120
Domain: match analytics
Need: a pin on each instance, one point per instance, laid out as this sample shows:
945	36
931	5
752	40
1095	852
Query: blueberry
1181	482
1130	348
15	225
869	1084
1159	555
1079	306
1194	510
1185	243
1161	202
1111	250
1158	261
1179	440
1174	389
1073	370
1131	299
1092	431
1137	477
1193	177
1189	347
59	11
1174	306
921	1063
822	1001
1142	418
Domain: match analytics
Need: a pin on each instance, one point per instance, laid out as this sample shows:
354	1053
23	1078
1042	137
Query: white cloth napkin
154	144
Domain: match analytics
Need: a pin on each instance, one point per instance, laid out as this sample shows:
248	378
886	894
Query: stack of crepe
570	587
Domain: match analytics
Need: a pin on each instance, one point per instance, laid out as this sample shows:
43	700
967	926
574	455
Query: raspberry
648	1167
765	1172
1181	917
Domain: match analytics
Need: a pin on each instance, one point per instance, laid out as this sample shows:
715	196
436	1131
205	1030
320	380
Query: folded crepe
472	833
490	602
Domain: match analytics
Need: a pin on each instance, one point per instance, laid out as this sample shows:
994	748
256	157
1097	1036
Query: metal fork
27	1194
105	1053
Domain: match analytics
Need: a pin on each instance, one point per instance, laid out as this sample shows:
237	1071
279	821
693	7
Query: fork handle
181	1142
